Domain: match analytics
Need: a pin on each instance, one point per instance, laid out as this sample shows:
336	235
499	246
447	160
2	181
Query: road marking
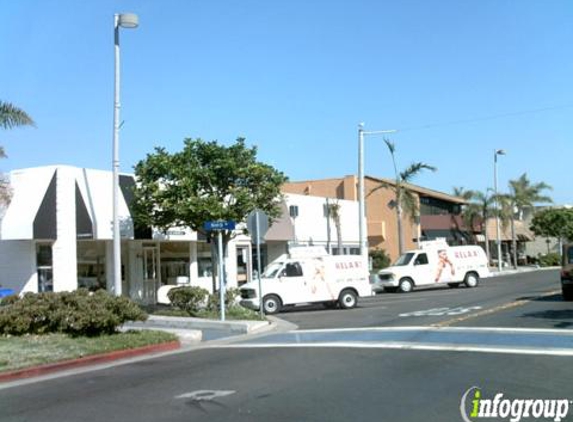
434	328
405	346
547	342
503	307
440	311
205	395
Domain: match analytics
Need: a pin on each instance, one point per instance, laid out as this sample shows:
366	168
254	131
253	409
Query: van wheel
271	304
454	285
347	299
406	285
471	280
567	293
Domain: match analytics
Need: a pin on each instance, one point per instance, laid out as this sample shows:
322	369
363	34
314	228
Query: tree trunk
214	263
513	242
484	231
400	230
339	235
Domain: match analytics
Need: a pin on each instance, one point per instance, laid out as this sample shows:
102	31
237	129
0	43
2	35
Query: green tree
10	117
406	199
380	259
553	222
204	182
523	195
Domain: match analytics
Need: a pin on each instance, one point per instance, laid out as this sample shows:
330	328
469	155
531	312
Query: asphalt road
289	385
361	373
518	300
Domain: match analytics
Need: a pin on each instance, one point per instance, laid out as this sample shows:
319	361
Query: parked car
567	272
434	263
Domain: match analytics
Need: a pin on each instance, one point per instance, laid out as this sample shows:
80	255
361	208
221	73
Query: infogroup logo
473	407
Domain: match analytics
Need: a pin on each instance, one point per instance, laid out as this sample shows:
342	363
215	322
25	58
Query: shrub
380	259
76	313
188	298
549	260
214	302
8	300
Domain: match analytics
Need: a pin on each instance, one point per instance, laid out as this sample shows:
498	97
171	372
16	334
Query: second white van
435	263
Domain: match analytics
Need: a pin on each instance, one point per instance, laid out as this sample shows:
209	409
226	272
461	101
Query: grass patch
32	350
232	313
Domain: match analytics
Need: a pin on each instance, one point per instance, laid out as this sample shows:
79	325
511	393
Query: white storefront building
56	234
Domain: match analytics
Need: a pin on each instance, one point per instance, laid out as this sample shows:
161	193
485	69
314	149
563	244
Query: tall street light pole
123	20
498	235
361	207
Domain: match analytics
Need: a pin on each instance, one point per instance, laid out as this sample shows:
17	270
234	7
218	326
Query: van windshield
404	259
570	255
272	270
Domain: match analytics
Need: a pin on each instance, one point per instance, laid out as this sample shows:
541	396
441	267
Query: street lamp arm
378	132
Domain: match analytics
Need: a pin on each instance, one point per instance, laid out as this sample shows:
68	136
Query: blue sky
457	78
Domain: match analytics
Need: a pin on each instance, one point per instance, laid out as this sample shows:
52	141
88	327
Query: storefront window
205	267
174	262
44	268
91	265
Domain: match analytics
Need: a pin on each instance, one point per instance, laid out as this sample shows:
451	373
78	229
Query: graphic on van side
444	261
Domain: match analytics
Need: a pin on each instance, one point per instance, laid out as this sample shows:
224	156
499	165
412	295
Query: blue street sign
219	225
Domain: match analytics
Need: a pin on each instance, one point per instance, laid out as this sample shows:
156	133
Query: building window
44	268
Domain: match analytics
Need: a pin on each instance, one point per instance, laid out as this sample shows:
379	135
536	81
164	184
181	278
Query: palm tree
522	195
10	117
406	200
461	192
334	213
481	209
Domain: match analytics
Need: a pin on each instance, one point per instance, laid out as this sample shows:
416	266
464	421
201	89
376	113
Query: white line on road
205	395
406	346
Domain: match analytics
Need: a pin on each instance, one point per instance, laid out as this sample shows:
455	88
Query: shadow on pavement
561	318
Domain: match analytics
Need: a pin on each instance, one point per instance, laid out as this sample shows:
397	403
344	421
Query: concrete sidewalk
524	269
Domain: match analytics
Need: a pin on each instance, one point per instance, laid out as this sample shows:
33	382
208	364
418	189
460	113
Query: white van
309	275
434	263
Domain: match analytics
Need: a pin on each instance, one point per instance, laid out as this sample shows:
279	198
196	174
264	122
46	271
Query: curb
190	323
88	360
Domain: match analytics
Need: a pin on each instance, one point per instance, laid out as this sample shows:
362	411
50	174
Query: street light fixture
361	208
128	21
497	152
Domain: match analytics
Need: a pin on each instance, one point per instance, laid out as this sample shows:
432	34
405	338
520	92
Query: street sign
219	225
257	233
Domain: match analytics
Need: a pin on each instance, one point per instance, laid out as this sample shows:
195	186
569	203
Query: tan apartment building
381	209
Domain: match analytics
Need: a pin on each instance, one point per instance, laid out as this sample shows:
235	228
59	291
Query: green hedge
194	299
549	260
78	313
188	298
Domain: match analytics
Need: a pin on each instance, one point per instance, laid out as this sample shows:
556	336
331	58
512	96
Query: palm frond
382	185
409	203
414	169
11	116
391	146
